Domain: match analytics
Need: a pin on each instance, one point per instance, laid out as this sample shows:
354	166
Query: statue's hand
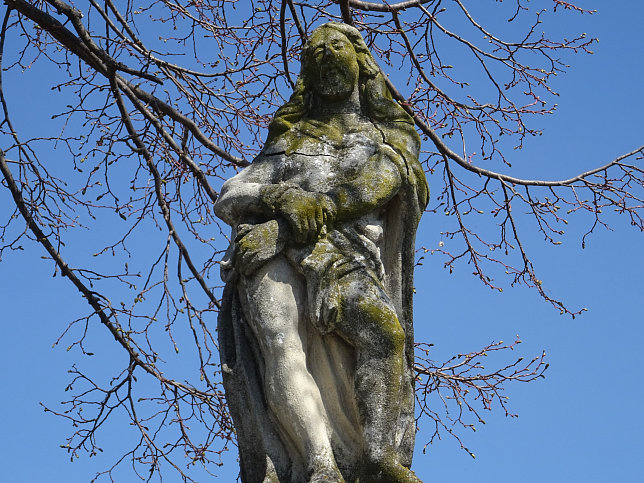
257	244
308	214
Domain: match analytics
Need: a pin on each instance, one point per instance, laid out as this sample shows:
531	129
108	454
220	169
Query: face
333	68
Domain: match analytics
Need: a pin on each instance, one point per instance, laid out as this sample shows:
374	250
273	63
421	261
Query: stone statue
316	334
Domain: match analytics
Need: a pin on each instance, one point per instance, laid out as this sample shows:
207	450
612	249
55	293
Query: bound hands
308	214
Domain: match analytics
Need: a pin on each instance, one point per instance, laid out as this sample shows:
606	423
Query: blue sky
583	422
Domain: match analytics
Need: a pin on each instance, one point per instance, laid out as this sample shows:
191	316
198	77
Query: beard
336	80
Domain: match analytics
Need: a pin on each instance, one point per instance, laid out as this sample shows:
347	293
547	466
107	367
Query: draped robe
379	244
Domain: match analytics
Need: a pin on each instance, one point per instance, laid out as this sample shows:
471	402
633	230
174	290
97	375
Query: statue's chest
319	166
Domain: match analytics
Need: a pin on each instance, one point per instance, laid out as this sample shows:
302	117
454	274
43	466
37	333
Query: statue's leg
273	300
368	321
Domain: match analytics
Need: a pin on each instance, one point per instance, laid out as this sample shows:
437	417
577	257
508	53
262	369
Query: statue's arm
369	188
255	193
258	196
241	197
257	235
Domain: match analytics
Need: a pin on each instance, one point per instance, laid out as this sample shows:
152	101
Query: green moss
391	338
257	237
257	244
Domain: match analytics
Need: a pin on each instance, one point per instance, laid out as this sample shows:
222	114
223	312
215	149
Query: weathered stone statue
316	333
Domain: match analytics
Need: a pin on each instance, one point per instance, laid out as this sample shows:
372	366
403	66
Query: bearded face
333	68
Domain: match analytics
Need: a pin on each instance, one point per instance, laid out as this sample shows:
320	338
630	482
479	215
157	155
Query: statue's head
336	65
333	61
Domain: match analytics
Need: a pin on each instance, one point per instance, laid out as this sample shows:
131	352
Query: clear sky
583	422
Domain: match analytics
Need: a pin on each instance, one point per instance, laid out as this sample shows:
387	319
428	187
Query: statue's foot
326	475
325	471
389	472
